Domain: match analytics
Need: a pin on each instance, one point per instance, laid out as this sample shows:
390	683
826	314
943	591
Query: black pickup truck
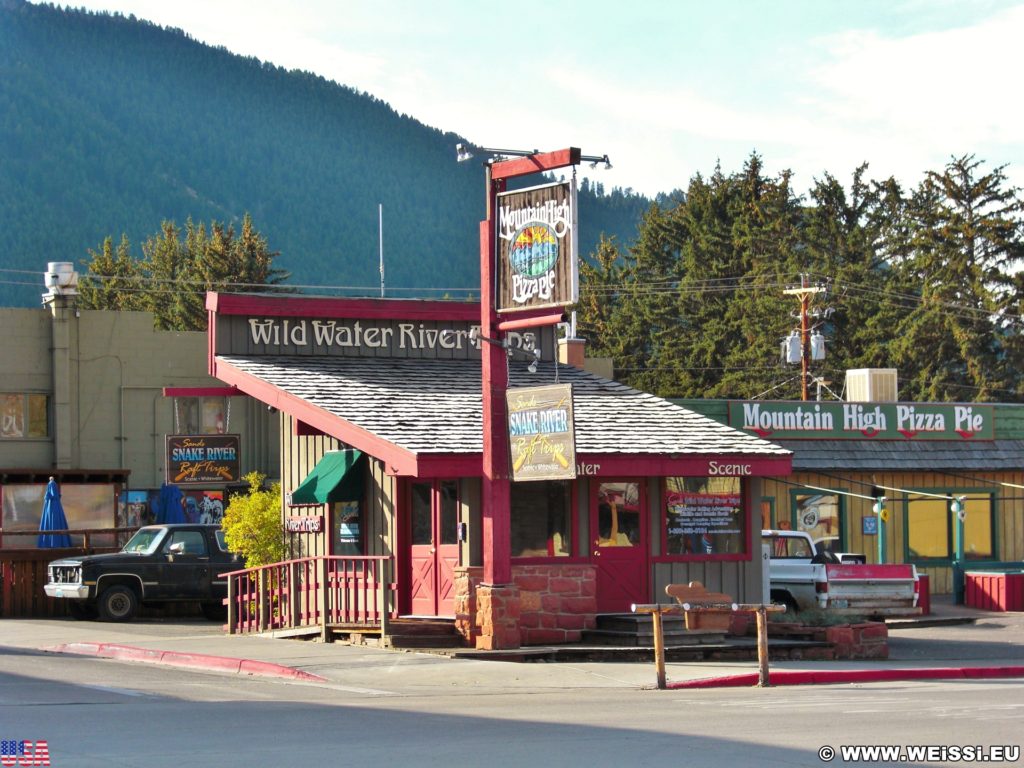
159	564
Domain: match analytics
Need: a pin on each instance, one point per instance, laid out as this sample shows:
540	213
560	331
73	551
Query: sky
667	89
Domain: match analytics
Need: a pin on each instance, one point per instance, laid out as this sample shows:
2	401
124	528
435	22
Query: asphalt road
96	712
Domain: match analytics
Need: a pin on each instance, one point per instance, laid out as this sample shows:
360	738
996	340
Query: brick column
466	580
497	617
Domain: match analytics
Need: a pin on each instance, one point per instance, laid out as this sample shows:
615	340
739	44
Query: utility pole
804	293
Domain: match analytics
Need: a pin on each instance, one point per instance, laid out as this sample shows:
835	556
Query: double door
434	547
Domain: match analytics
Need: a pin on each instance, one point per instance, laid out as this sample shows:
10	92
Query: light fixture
475	337
462	154
595	159
532	367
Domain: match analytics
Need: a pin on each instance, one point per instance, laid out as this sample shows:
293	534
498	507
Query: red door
434	547
618	532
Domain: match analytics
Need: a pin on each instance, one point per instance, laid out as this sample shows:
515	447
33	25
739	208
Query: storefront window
618	514
347	529
88	507
541	519
930	528
704	516
23	416
200	415
819	515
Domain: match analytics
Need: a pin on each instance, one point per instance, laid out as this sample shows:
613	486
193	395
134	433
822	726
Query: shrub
252	523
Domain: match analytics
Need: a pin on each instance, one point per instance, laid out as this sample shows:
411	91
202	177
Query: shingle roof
435	406
920	455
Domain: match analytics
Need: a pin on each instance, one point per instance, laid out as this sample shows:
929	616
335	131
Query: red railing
325	592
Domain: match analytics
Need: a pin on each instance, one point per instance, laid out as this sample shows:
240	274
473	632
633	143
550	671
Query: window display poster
133	509
203	506
347	539
696	520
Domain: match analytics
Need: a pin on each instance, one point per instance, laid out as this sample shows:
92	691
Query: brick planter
556	603
869	640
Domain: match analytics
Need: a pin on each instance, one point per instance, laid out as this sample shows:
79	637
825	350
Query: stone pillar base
497	617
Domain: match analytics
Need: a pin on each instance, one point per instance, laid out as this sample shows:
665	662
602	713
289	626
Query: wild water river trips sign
777	420
541	433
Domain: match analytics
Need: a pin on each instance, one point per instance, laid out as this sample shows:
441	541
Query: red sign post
496	510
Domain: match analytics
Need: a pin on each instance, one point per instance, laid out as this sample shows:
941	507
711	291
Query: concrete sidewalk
953	642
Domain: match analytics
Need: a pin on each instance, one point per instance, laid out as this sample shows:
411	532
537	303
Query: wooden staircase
636	630
430	632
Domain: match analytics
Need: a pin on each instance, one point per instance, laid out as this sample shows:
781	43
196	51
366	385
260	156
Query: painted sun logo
533	250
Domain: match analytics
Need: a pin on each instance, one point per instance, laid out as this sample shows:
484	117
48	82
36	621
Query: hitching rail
657	610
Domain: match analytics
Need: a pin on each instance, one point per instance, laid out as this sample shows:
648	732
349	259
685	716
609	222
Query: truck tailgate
881	590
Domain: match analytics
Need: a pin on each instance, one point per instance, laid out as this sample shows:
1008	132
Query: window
819	514
86	506
931	527
347	534
186	543
200	415
704	516
23	416
541	519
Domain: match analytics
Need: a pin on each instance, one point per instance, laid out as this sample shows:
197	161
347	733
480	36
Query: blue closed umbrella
170	505
53	519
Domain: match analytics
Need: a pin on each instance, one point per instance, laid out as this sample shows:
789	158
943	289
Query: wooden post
232	605
324	598
383	579
294	597
659	649
261	590
762	648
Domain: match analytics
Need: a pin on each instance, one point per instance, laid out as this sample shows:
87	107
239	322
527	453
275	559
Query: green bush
252	523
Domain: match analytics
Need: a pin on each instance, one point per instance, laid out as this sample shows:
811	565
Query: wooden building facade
381	454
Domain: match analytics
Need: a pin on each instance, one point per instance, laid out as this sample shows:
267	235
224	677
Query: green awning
334	478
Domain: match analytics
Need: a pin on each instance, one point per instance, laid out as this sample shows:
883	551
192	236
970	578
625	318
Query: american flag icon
19	752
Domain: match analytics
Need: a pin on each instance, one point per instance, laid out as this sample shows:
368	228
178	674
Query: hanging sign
541	434
536	248
202	459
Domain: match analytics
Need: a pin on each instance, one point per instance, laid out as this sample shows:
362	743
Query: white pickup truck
804	578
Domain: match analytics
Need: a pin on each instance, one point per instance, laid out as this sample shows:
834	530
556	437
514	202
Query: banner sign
202	459
537	248
541	433
778	420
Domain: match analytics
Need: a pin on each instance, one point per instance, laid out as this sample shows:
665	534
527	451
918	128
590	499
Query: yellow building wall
1008	518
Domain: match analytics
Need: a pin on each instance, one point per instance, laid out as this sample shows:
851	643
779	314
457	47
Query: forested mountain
112	125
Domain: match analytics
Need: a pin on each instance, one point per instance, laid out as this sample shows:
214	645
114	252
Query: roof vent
61	278
872	385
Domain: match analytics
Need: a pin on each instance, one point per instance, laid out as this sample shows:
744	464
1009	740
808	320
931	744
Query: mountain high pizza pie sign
537	246
859	421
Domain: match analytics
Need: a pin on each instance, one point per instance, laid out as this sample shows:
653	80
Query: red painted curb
188	660
824	677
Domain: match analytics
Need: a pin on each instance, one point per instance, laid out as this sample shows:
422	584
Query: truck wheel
118	603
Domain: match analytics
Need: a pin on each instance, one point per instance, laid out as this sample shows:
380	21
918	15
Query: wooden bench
697	595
